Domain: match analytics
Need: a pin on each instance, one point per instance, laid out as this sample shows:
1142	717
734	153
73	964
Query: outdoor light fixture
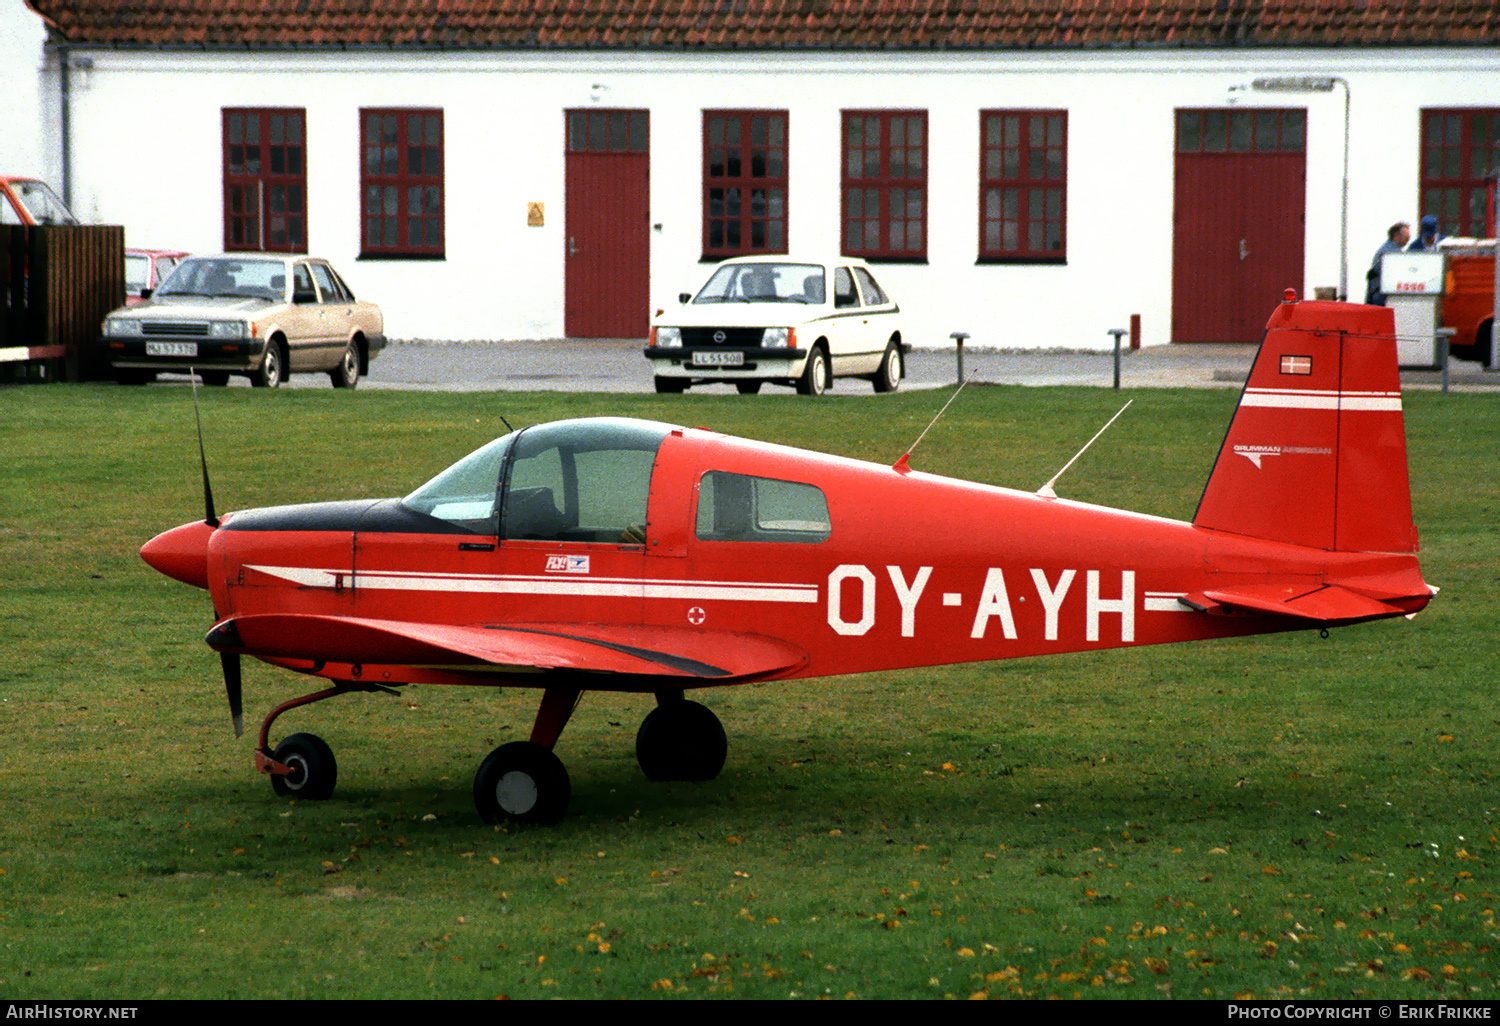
1321	84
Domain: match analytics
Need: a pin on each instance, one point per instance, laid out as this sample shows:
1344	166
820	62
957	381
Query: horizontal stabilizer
1326	604
599	648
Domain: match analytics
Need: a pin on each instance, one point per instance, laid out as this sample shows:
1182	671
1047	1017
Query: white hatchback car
787	321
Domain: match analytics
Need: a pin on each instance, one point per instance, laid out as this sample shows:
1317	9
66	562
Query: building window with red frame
1023	186
744	182
1460	159
265	180
885	185
401	182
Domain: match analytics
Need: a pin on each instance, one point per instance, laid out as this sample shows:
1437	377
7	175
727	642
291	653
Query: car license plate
718	359
171	349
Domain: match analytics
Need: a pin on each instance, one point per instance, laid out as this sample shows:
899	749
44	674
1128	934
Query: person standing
1396	238
1427	237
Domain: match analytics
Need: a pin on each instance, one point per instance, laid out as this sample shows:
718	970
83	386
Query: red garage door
607	268
1240	202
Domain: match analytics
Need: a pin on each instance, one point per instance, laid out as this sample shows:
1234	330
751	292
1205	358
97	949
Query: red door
607	269
1240	202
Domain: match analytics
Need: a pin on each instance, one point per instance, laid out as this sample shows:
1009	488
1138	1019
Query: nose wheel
311	769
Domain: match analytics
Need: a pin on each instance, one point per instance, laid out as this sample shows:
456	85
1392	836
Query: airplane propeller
230	661
231	664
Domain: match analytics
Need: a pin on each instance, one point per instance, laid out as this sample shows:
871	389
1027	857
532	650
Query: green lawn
1278	817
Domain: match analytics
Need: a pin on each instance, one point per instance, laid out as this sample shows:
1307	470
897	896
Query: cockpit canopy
573	480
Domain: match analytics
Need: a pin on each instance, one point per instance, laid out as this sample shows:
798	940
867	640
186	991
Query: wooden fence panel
59	283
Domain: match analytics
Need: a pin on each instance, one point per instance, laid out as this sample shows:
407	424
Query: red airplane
632	556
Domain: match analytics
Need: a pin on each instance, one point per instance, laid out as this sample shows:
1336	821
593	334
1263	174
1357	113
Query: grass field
1281	817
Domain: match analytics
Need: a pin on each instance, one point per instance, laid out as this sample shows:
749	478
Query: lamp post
1322	84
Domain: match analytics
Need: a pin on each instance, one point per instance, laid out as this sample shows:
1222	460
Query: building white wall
146	153
27	143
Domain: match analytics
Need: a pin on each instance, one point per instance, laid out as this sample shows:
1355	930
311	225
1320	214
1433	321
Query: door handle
1244	252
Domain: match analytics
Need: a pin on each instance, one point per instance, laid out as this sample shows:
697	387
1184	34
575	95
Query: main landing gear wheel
681	741
313	769
522	782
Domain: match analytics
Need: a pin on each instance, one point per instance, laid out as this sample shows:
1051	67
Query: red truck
1469	299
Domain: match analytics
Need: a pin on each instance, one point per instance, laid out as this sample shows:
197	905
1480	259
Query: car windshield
227	276
764	283
42	203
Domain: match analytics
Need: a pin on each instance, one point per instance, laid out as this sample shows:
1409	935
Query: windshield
582	480
764	283
42	203
227	277
466	493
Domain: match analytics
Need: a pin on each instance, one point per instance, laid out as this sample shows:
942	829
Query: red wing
602	648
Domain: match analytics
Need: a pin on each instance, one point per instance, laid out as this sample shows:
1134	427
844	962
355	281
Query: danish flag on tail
1316	453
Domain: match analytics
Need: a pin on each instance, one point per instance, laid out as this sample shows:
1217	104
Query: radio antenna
1046	490
902	465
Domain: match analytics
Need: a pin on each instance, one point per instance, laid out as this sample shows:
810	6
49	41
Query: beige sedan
260	315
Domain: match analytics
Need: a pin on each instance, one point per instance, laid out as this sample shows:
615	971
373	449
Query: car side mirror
304	296
683	297
146	293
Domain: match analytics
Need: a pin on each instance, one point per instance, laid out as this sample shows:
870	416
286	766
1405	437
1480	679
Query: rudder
1316	452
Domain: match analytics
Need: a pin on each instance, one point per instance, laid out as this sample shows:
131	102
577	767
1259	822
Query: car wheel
747	387
816	378
134	377
671	386
346	374
892	369
214	379
270	373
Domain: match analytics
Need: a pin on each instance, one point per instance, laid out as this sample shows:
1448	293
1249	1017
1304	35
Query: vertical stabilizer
1316	453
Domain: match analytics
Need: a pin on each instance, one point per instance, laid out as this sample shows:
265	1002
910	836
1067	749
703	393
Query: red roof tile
771	24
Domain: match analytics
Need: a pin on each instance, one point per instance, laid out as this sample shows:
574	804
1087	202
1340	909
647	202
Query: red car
145	269
28	201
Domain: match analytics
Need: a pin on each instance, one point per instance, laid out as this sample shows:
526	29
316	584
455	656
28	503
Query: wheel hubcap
516	792
298	775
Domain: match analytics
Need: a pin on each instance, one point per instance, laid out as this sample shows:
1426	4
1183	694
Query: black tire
747	387
816	377
272	369
892	370
135	377
214	379
522	782
314	771
671	386
681	741
346	374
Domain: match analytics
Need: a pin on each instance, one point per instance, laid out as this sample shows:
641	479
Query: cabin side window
738	507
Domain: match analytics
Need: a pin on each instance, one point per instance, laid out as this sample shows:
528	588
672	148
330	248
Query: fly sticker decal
567	564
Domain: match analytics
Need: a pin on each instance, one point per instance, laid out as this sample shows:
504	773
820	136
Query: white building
1031	176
